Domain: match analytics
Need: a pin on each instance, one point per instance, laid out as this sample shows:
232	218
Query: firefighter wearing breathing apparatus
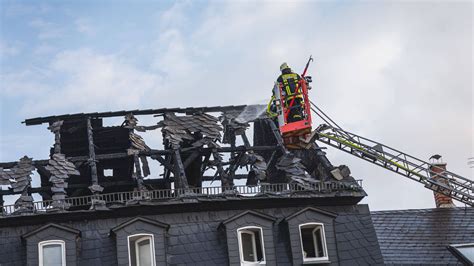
293	99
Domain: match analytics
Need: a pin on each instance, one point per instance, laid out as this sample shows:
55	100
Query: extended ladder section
440	180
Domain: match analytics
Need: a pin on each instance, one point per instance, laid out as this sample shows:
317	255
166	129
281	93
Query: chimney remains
436	169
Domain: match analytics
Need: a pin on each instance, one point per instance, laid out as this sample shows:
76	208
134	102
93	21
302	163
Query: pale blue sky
397	72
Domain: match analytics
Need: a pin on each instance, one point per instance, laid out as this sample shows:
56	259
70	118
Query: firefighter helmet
284	66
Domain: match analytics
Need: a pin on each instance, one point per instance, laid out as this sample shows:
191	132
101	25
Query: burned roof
19	177
199	144
422	236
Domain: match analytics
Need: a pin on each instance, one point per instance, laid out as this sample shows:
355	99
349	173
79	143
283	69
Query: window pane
248	248
468	252
133	253
308	242
52	255
259	246
319	243
144	253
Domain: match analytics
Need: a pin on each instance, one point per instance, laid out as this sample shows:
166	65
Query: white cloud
46	29
27	84
175	16
44	49
92	82
85	26
7	49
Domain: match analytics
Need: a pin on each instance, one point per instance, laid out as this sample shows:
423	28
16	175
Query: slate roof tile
422	236
179	128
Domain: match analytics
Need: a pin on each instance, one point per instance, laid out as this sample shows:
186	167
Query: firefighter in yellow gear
291	90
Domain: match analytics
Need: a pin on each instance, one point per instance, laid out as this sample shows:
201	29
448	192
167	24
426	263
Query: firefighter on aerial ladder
293	99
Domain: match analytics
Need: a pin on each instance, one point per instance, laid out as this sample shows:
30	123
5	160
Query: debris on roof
19	178
55	127
294	170
178	129
20	174
231	127
60	169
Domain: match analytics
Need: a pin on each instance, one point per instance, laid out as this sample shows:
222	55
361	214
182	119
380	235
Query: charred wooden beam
166	163
234	164
151	153
246	141
138	173
180	179
8	165
95	187
226	180
233	153
189	110
98	157
55	127
272	160
277	134
145	166
204	163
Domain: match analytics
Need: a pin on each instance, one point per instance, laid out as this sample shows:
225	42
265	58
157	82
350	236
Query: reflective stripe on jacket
271	108
290	82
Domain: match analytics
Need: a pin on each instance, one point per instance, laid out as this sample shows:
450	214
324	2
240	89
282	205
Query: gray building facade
193	237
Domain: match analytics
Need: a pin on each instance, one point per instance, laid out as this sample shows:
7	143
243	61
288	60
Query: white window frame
141	238
323	238
461	254
251	230
42	244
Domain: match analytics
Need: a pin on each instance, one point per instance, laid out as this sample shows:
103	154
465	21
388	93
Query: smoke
250	113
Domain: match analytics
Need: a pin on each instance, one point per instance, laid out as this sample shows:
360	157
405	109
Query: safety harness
291	86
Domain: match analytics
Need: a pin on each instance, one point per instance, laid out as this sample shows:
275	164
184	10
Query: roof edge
255	213
44	227
141	219
327	213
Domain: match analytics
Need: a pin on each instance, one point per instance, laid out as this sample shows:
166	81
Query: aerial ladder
436	179
440	181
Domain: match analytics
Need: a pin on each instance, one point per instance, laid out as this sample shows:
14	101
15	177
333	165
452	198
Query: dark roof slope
356	238
422	236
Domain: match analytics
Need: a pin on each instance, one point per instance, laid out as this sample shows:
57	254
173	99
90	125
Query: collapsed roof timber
196	141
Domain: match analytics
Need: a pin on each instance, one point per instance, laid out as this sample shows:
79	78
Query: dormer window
313	242
251	247
140	242
52	253
141	250
250	239
48	245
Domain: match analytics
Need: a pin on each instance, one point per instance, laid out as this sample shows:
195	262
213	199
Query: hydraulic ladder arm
447	183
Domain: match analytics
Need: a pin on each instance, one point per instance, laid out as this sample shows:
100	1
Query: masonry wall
193	238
